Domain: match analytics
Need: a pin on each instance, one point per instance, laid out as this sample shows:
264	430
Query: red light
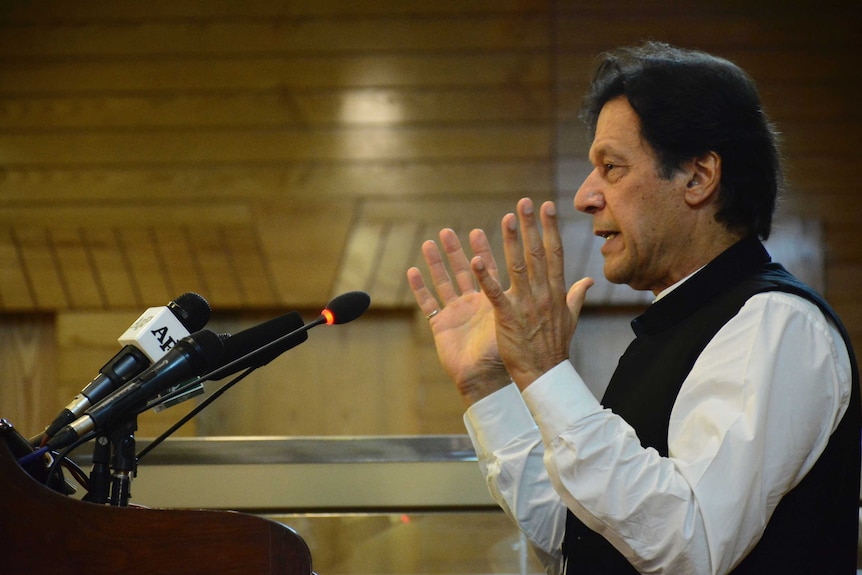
330	317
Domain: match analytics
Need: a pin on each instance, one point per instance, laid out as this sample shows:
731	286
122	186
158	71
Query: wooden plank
389	288
324	181
147	266
215	265
303	245
74	265
111	269
832	205
812	64
319	108
842	282
185	147
815	138
362	253
23	11
274	72
807	172
453	211
785	103
818	138
842	245
182	262
585	28
842	292
252	272
15	290
95	269
40	263
824	101
286	36
28	369
132	215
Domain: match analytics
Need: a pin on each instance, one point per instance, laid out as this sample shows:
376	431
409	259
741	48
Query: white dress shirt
750	420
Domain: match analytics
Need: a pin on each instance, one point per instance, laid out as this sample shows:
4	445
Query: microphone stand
100	475
114	464
124	462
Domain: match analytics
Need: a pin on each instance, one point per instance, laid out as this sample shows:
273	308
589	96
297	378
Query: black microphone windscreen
192	310
204	349
347	307
254	338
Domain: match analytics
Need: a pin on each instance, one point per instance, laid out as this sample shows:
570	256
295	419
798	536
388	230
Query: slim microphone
155	332
265	342
187	359
346	307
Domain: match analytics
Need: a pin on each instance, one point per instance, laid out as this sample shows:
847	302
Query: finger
424	299
490	287
576	296
518	274
439	274
534	248
481	247
458	261
553	247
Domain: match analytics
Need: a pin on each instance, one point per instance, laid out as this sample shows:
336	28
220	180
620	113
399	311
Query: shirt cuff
558	399
497	419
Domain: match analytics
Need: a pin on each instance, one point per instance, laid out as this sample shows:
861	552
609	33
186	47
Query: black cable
200	407
60	456
79	474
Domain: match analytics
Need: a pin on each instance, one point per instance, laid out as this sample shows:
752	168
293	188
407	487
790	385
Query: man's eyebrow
603	150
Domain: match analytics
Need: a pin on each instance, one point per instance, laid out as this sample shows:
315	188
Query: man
728	439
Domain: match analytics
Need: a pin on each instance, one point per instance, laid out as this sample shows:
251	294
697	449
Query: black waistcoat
814	528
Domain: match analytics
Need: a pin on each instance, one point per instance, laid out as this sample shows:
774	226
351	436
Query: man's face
640	214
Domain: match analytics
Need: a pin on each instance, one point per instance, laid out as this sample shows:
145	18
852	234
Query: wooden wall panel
288	36
28	356
128	10
352	379
320	107
16	293
269	155
189	188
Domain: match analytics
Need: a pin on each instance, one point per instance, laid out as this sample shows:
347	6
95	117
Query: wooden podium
42	531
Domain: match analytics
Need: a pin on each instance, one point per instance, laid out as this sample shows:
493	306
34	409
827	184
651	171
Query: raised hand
536	317
460	316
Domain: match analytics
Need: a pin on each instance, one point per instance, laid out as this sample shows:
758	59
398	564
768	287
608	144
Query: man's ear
704	178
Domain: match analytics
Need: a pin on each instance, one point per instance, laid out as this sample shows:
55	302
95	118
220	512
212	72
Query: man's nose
589	198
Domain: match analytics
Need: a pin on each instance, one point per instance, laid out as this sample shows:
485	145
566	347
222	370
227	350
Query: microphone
251	347
155	332
187	359
341	309
346	307
241	351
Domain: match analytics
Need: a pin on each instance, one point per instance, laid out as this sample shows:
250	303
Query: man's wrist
482	386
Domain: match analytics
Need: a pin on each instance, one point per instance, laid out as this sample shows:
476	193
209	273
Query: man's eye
609	167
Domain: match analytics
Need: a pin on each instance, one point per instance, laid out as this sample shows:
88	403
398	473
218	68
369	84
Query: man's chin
615	275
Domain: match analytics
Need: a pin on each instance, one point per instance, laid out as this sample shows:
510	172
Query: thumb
577	294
